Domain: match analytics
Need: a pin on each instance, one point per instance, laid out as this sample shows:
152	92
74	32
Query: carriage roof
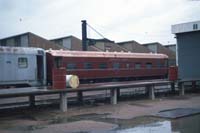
64	53
20	50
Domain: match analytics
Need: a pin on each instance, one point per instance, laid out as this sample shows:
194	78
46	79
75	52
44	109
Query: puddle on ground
150	124
145	124
182	125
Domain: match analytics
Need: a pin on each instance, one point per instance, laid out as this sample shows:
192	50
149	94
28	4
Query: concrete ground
95	117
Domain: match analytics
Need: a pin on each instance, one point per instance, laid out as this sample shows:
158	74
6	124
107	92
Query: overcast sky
144	21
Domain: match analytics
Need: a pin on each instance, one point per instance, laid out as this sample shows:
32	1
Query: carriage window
71	66
22	62
127	65
103	66
148	65
116	66
137	65
160	64
166	63
58	62
87	65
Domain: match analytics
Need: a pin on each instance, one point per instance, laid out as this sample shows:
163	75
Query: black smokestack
84	35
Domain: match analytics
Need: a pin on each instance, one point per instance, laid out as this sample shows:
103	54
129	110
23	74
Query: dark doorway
40	68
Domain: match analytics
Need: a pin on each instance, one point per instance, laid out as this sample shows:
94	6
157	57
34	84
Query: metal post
118	93
32	100
63	101
193	84
151	91
80	96
173	87
113	96
181	88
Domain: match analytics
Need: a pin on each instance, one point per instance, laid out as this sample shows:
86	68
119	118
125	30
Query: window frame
116	65
103	65
88	65
149	65
138	65
71	66
21	61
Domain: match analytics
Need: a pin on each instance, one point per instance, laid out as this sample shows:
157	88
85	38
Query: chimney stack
84	35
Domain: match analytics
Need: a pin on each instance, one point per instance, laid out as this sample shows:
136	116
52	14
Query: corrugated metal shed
188	50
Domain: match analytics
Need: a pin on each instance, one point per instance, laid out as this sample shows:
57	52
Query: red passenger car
107	66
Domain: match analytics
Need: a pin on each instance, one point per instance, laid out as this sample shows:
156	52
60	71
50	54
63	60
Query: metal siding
173	48
153	48
24	41
67	43
28	73
8	68
188	55
185	27
10	42
10	72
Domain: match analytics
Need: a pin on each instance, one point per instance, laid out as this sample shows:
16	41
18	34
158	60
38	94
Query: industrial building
73	43
134	47
69	42
171	47
159	48
28	39
106	45
188	49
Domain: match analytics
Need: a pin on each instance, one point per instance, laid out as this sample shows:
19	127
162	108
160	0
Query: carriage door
40	68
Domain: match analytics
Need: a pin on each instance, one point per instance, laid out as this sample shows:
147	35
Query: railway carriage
22	66
27	66
107	66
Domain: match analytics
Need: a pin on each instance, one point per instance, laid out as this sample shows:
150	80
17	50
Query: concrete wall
188	53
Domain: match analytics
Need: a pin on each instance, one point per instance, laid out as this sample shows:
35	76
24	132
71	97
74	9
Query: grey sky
119	20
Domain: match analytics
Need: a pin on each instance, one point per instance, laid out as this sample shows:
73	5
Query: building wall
29	40
188	47
37	41
171	54
69	42
76	44
109	46
153	48
134	46
16	41
171	47
159	48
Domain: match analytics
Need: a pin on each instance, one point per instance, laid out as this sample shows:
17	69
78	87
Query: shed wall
188	55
